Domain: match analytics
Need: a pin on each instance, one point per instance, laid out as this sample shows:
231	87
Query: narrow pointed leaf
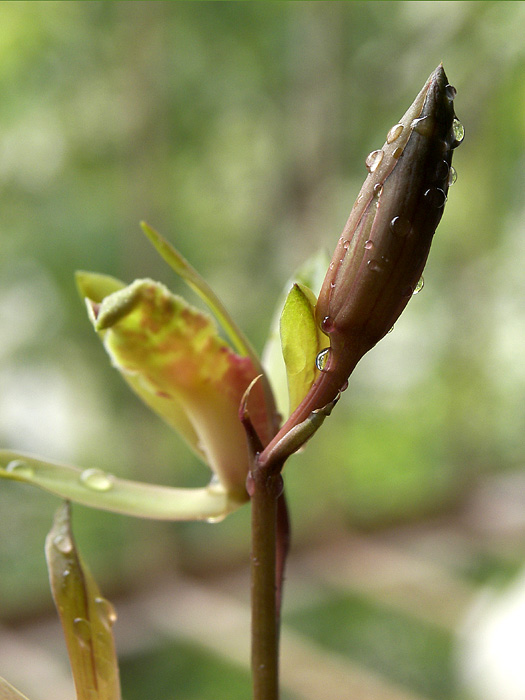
301	341
199	285
86	617
95	286
98	489
7	692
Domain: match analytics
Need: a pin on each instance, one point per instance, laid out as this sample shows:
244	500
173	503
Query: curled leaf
86	617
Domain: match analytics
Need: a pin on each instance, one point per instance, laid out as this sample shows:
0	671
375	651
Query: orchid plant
227	404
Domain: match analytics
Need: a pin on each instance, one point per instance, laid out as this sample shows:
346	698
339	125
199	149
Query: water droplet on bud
397	153
422	126
369	244
400	226
327	325
322	360
378	189
459	132
394	133
373	160
450	92
435	197
419	286
21	468
452	176
96	480
375	265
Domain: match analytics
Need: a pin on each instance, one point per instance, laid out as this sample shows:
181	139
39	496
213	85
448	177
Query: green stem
264	488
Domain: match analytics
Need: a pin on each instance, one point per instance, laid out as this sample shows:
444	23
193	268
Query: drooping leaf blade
86	617
97	489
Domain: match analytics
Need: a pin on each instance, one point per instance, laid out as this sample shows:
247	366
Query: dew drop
216	518
21	468
419	286
63	543
400	226
459	132
344	387
391	330
96	480
378	189
106	612
369	244
443	171
327	324
82	630
422	126
452	176
373	160
394	133
375	265
397	153
346	245
435	197
322	360
450	92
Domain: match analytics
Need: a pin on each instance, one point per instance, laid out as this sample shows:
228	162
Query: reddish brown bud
385	243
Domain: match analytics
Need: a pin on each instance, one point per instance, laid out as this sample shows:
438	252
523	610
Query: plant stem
265	488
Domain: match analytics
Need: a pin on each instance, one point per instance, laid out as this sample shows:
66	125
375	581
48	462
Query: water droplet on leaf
96	480
322	360
63	543
21	468
394	133
106	612
373	160
82	630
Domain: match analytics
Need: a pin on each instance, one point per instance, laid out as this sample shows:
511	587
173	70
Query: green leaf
7	692
173	357
87	618
95	286
301	341
199	285
98	489
310	274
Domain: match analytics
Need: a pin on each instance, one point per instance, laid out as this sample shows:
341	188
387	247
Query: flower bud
385	243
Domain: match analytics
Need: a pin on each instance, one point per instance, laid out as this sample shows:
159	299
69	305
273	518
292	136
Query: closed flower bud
385	243
381	253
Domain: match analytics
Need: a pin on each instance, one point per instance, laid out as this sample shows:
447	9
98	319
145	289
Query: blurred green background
239	130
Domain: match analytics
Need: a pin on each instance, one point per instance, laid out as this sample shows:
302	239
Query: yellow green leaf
301	341
87	617
172	356
98	489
